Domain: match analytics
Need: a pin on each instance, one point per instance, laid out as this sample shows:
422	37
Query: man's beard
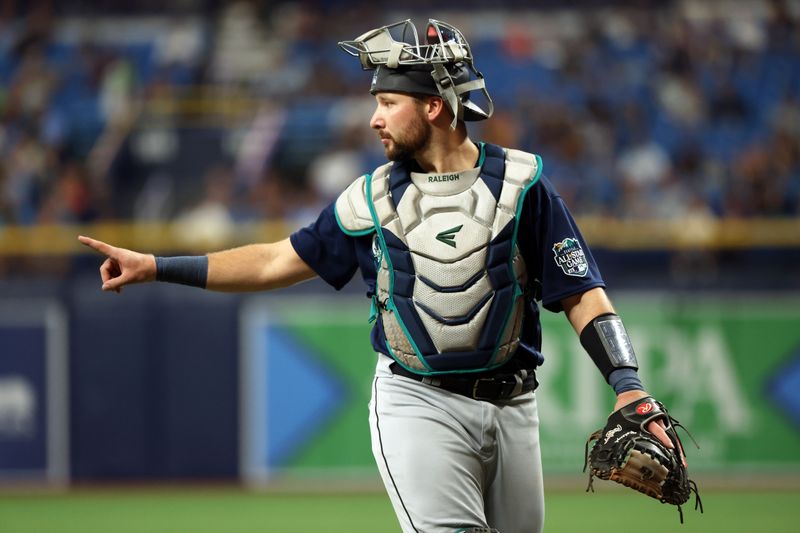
416	137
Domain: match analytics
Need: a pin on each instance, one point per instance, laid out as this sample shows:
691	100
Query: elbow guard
608	344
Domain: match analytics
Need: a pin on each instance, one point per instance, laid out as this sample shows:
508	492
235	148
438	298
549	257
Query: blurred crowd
233	111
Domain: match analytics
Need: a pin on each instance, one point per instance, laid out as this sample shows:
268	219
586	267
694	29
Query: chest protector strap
450	277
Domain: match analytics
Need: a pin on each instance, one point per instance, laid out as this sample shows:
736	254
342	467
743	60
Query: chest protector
450	277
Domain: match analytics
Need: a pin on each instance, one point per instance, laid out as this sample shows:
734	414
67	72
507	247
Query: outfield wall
167	382
727	366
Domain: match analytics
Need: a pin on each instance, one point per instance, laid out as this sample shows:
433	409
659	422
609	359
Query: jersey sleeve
554	250
327	249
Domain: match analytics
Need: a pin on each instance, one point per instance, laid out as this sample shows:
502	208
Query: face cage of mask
445	45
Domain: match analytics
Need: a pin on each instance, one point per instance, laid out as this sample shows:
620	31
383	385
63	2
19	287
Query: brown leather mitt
626	452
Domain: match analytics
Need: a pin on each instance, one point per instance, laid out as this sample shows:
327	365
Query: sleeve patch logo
570	258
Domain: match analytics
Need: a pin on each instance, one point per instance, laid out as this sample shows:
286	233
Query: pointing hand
122	267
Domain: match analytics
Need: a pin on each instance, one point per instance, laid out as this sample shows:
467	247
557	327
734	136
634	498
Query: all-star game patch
570	258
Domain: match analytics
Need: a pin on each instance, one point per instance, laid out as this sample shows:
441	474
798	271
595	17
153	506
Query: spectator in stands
633	85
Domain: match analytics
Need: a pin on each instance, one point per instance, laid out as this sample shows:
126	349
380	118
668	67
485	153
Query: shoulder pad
352	211
523	166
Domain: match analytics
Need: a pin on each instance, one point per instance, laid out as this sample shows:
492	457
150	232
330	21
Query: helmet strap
446	88
451	93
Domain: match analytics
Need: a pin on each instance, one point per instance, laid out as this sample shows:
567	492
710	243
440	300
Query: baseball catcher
627	452
457	242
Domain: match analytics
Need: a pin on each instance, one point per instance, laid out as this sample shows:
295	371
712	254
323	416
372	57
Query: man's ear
436	109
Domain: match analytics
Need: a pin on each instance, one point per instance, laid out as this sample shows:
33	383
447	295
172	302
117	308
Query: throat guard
450	279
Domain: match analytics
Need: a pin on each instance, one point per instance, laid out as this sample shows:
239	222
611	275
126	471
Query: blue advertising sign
33	406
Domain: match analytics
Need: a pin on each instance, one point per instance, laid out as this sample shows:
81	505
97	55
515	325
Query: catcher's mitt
626	452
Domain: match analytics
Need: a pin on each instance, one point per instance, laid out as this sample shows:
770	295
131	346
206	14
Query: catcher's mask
441	67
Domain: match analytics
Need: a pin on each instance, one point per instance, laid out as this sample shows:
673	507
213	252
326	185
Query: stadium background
672	129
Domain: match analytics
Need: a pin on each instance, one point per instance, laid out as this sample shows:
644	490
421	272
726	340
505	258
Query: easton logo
448	236
644	408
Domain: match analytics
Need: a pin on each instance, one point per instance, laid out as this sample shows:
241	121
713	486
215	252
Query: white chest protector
450	276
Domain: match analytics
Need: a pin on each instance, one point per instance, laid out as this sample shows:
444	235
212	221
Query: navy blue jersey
558	261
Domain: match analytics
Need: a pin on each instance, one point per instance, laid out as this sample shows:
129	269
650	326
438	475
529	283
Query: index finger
100	246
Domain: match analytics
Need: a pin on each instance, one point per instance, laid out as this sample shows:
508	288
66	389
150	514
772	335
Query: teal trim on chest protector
482	155
352	233
390	305
514	240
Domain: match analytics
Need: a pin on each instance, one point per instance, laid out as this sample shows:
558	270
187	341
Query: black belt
490	387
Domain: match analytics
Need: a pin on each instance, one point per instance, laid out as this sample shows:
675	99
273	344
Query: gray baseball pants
451	463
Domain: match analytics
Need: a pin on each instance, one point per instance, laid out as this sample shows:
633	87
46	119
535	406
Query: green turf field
235	511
